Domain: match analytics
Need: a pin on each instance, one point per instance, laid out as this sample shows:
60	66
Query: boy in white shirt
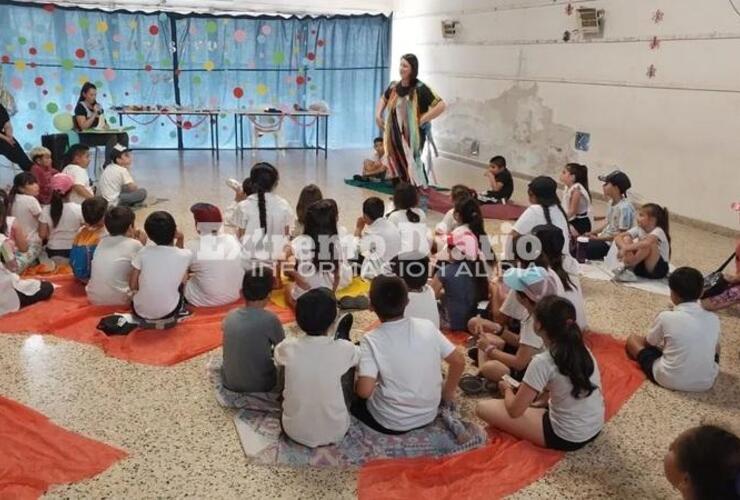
111	265
681	351
116	184
216	270
375	168
77	160
380	239
399	380
159	271
314	408
422	301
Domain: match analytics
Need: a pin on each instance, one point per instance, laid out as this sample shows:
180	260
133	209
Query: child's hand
140	235
360	224
503	386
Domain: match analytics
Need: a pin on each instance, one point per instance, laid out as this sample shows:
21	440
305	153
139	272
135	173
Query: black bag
58	145
715	283
116	324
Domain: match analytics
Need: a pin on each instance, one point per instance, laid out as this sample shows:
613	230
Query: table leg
326	136
120	119
218	148
318	129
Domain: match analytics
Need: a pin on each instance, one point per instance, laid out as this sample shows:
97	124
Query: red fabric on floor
506	464
440	202
68	315
35	453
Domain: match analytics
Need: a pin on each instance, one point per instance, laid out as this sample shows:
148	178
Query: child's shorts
646	358
555	442
659	272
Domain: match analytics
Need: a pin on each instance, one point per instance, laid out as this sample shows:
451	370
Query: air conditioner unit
449	29
590	21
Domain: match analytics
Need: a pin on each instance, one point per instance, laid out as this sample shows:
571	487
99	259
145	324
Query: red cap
205	212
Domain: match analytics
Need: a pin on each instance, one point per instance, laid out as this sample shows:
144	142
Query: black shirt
82	110
426	98
504	177
4	117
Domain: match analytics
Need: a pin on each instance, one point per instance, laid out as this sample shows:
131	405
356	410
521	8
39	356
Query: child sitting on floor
314	408
88	237
681	351
501	181
308	196
16	293
620	215
250	335
380	239
110	271
410	221
43	170
645	250
116	184
215	272
704	462
60	221
399	376
25	211
76	161
458	193
577	198
422	302
374	169
160	270
320	261
567	373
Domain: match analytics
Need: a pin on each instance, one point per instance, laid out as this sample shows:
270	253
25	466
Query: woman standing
9	145
412	105
88	116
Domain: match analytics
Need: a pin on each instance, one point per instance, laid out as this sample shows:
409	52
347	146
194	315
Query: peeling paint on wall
517	124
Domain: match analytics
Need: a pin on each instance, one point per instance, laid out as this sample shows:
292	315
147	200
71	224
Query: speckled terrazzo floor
181	443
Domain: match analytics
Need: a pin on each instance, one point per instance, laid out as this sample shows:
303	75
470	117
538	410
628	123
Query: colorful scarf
402	138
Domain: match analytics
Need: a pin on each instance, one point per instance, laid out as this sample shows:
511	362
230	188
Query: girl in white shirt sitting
576	198
575	414
645	250
60	220
459	192
25	211
411	222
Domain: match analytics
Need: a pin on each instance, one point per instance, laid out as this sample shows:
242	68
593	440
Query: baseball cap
61	183
118	150
532	281
618	178
205	212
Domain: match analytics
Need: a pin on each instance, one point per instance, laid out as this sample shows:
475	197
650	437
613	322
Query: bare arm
82	191
379	111
7	133
456	362
433	112
43	231
133	280
365	386
517	404
518	361
20	239
130	187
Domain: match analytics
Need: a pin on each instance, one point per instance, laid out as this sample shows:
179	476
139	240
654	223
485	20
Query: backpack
81	254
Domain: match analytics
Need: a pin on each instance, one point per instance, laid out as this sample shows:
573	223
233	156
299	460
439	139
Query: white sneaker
625	275
234	184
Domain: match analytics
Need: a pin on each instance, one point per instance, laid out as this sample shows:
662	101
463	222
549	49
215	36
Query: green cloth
381	186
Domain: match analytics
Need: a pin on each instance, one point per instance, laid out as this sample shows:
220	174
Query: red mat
68	315
441	202
35	453
506	464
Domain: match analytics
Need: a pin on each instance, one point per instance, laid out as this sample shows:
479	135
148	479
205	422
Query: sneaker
360	302
234	184
344	326
625	275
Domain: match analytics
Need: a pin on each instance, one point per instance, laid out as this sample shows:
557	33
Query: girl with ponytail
411	222
60	220
25	210
567	372
544	208
576	197
645	250
263	219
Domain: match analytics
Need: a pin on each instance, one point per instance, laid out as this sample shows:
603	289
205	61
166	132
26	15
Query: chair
267	124
97	167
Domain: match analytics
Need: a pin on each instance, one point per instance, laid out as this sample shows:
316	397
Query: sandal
474	385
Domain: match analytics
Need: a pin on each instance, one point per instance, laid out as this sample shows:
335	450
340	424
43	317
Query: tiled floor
182	443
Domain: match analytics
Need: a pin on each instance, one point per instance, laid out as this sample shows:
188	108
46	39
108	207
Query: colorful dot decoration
211	27
154	30
262	89
240	36
80	53
52	108
238	92
208	65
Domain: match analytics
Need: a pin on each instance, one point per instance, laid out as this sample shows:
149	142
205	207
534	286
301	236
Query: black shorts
659	272
646	358
554	442
582	225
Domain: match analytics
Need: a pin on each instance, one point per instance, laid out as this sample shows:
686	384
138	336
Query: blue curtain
211	62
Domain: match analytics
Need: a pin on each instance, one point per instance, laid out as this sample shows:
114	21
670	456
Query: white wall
512	83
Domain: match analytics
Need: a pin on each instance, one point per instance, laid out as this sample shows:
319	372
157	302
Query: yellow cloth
358	286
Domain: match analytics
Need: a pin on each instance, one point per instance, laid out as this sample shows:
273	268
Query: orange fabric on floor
506	464
68	315
35	453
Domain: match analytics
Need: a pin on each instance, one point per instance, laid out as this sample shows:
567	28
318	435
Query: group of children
526	337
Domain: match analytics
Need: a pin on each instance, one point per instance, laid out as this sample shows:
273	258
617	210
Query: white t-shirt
27	210
534	216
112	180
573	419
110	271
216	269
423	305
448	222
11	284
688	336
380	243
279	216
584	202
62	236
162	270
81	178
415	237
314	411
663	246
574	295
404	356
303	251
